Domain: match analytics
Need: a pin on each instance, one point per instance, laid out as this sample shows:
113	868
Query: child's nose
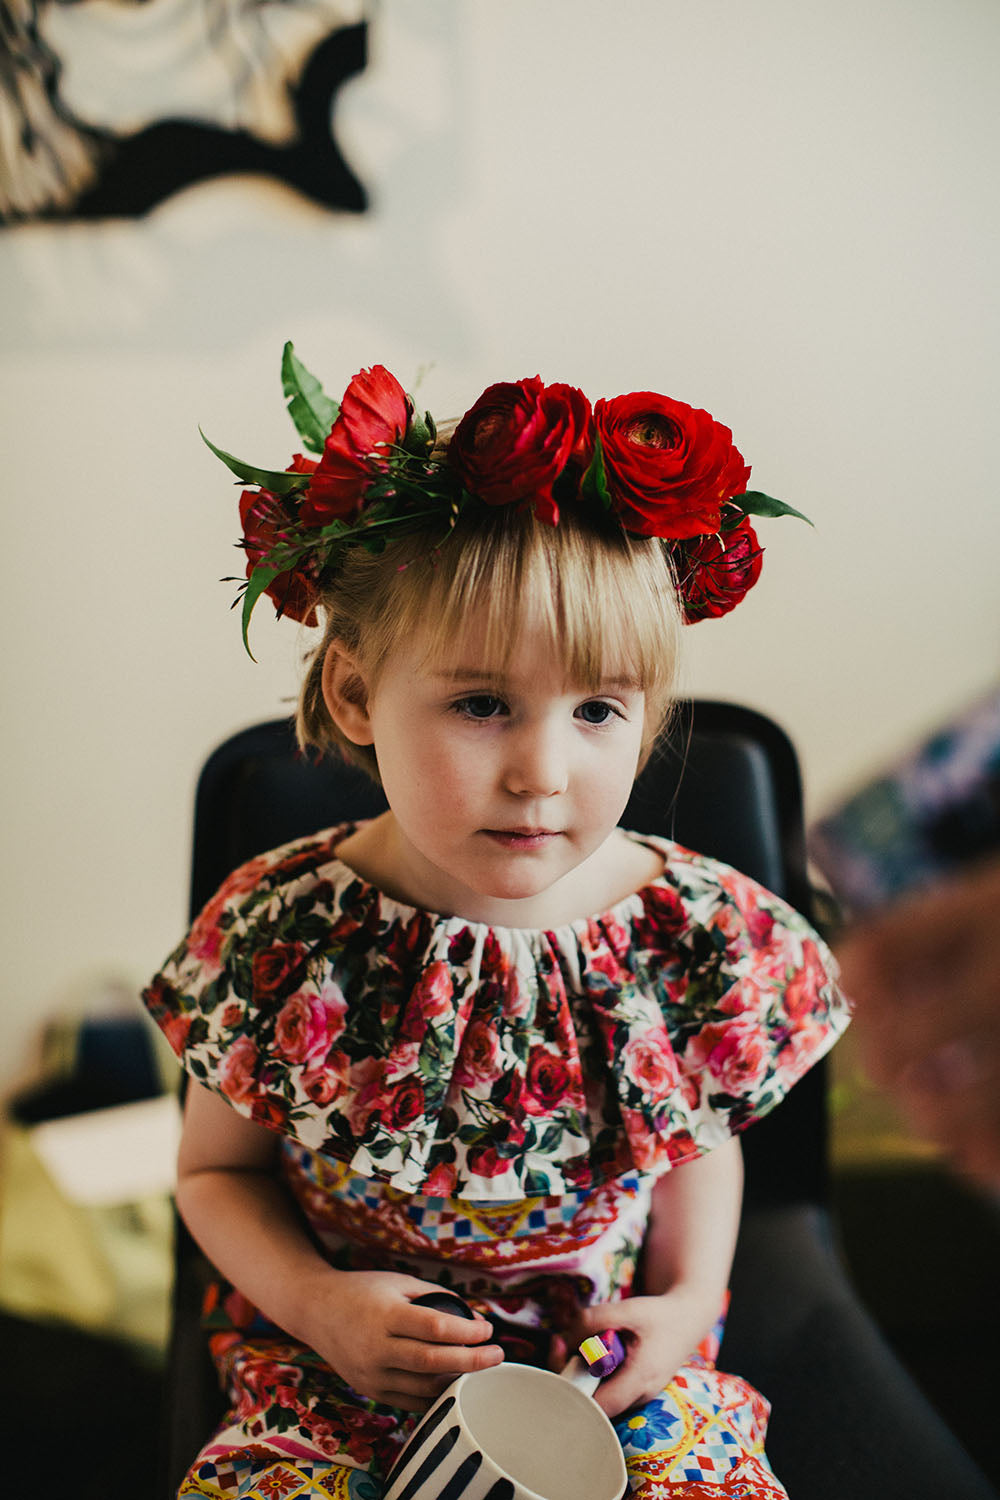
537	763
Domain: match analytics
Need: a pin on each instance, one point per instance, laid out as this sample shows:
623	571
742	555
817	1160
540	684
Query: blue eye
480	706
595	712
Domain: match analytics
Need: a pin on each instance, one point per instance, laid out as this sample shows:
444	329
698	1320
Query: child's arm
363	1323
687	1255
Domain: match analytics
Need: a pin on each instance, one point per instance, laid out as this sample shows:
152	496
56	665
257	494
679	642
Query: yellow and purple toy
602	1352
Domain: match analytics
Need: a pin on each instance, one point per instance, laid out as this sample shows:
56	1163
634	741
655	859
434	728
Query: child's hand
368	1330
659	1334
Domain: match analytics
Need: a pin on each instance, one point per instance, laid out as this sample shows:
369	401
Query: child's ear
345	694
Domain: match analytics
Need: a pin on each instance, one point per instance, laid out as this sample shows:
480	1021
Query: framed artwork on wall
108	107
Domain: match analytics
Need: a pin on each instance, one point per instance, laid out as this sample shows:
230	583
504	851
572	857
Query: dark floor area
924	1253
80	1415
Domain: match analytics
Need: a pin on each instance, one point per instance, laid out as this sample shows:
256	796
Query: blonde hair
607	602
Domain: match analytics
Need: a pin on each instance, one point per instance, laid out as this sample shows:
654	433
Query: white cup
513	1432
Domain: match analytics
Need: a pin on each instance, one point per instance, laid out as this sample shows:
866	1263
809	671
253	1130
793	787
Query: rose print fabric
485	1108
455	1059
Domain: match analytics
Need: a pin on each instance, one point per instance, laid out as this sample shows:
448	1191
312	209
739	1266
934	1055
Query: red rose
440	1183
374	414
803	992
483	1161
402	1104
735	1052
669	468
478	1060
238	1070
323	1087
760	926
681	1147
265	520
663	919
513	444
649	1062
175	1029
308	1025
274	968
268	1110
715	572
547	1079
433	994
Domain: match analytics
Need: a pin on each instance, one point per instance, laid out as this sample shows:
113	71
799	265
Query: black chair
848	1422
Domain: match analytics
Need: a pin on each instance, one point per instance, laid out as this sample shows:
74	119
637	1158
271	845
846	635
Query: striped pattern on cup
428	1465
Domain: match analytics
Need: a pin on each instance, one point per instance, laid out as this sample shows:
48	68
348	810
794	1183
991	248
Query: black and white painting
107	107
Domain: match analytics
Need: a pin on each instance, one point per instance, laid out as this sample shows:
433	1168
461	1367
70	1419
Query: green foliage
309	407
755	503
594	481
278	481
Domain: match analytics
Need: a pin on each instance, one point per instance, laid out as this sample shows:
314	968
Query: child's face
502	784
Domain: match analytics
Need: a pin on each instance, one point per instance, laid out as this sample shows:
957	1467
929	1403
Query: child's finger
420	1357
434	1327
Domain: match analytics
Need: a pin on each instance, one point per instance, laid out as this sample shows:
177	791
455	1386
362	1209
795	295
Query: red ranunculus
265	520
513	444
715	572
669	467
374	413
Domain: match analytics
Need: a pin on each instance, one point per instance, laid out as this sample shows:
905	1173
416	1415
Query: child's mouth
521	838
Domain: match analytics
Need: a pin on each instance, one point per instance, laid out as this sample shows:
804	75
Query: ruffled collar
458	1059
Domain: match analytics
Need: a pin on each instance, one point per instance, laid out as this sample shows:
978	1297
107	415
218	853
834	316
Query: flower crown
659	467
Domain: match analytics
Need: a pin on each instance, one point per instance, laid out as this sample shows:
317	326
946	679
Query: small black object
446	1302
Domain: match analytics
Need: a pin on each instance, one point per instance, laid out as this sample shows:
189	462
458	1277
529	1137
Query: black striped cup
512	1432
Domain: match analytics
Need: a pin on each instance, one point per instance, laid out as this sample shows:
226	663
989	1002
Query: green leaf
594	480
278	481
260	579
309	407
757	504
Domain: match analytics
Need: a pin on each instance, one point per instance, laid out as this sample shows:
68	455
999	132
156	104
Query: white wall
784	211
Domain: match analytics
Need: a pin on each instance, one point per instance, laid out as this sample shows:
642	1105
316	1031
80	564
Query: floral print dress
486	1108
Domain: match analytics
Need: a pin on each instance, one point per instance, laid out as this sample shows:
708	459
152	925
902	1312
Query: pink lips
521	838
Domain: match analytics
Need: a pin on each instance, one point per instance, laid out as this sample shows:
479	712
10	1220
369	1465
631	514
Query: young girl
487	1041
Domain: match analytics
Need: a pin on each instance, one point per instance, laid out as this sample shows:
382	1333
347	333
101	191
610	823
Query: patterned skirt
294	1429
